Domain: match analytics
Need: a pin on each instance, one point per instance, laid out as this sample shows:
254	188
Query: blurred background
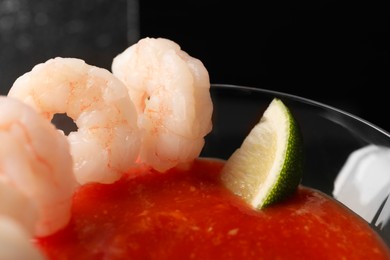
330	51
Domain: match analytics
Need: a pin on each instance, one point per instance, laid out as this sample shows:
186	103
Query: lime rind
290	174
268	166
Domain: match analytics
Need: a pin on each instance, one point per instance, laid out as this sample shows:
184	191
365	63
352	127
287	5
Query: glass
347	157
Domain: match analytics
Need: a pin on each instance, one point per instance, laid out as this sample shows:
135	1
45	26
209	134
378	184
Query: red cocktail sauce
184	214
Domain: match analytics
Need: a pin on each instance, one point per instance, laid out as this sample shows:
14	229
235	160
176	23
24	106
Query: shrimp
107	141
170	90
15	242
16	205
35	160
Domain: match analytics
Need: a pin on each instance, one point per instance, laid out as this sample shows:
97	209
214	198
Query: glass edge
304	100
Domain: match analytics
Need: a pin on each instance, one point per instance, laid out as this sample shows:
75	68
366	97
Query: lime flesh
268	166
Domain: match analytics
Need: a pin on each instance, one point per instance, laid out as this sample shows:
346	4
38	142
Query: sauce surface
187	214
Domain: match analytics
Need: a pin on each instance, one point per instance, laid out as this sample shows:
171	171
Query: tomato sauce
183	214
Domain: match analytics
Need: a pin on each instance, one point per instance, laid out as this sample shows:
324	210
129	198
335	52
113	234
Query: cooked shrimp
35	160
16	205
170	90
107	140
15	242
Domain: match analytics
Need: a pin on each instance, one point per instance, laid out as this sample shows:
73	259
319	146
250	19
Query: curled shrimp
107	141
17	206
170	90
15	242
35	160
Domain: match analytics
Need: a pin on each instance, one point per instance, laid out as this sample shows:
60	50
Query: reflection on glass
363	183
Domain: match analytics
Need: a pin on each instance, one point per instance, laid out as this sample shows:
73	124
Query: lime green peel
268	167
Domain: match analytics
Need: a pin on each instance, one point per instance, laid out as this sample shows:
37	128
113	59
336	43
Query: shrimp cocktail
130	180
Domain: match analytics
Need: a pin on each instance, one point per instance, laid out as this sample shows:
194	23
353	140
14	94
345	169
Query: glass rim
308	101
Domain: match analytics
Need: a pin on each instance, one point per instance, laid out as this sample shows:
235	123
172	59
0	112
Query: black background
330	51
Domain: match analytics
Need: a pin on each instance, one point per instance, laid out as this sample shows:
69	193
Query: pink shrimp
35	160
170	90
15	242
106	143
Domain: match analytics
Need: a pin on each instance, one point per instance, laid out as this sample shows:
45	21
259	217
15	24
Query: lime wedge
268	167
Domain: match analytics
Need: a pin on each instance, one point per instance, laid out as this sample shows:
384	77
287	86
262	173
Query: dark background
330	51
